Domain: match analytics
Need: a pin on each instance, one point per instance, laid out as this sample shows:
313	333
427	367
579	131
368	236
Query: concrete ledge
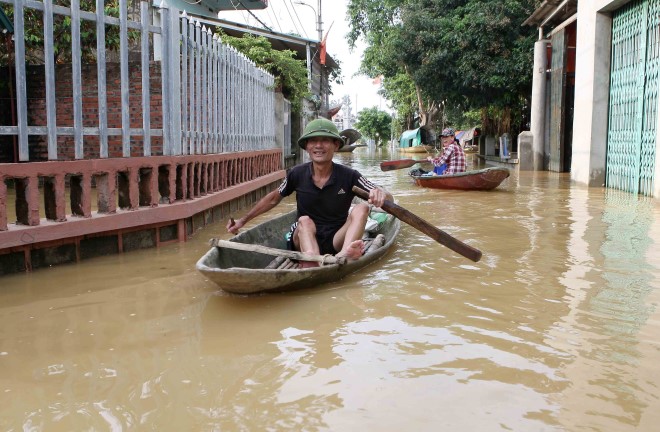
47	231
499	161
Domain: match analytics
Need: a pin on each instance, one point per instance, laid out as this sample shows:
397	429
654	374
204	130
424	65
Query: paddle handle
420	224
295	255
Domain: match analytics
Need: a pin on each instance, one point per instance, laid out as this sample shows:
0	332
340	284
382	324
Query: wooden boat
247	272
484	179
422	148
350	136
350	148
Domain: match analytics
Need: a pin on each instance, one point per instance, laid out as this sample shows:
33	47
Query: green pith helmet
320	128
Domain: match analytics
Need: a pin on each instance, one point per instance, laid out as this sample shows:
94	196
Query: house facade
597	118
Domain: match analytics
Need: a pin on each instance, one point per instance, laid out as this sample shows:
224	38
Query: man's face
321	149
446	140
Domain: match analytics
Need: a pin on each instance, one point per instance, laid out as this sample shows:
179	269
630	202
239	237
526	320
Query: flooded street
557	328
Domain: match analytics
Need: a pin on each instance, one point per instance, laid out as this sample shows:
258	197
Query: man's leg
304	240
348	240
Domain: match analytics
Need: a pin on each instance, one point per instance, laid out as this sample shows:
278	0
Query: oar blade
398	164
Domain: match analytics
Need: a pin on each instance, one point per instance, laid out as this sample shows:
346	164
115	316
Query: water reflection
554	329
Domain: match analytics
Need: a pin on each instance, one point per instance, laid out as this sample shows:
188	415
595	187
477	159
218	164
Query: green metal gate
631	142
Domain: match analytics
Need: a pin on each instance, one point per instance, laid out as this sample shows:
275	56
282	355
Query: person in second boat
452	159
323	196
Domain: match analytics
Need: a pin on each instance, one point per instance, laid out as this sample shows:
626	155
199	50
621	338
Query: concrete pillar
279	125
526	151
490	145
656	174
3	205
60	197
537	120
592	86
134	188
106	190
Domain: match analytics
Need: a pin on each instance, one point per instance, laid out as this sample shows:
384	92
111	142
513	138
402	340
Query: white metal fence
214	99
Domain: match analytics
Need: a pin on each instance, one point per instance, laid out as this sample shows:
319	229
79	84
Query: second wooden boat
248	272
350	148
417	149
483	179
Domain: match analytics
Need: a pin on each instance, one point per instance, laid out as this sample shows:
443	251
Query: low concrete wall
142	202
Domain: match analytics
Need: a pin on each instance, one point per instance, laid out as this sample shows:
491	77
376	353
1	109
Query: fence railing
212	99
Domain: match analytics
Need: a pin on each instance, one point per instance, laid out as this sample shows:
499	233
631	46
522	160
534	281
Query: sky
288	16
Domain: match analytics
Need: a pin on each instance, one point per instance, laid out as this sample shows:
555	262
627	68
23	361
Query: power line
298	17
255	17
268	12
290	16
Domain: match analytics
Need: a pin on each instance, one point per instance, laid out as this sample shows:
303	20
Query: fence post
21	86
165	75
171	76
174	66
146	72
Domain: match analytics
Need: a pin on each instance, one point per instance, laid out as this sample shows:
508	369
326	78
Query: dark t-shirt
327	207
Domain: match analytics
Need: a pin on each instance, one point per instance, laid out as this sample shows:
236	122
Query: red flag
323	45
323	51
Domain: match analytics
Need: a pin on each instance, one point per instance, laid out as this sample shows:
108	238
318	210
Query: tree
290	74
374	124
378	22
466	54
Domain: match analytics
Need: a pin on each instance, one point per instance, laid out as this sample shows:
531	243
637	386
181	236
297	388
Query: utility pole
317	12
320	22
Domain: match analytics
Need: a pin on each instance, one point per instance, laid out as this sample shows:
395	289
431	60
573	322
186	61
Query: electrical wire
268	12
255	17
298	17
290	16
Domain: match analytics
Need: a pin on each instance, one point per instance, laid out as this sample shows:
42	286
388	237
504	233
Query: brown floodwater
557	328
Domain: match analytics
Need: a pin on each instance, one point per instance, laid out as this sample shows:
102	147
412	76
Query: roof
210	8
412	133
279	41
219	5
552	13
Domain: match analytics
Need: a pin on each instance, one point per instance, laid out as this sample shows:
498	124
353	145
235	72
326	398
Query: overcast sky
287	16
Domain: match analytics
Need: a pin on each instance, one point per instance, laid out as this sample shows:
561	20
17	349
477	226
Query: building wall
592	79
591	94
36	96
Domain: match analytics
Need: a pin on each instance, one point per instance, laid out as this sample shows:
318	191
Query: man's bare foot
354	251
308	264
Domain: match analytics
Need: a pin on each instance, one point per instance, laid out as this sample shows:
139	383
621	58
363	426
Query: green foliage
467	54
374	124
477	51
34	37
461	119
290	74
400	89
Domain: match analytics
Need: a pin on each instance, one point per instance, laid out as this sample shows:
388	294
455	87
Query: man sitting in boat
452	157
323	196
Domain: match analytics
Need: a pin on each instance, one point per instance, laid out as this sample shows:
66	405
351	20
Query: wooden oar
399	164
300	256
420	224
